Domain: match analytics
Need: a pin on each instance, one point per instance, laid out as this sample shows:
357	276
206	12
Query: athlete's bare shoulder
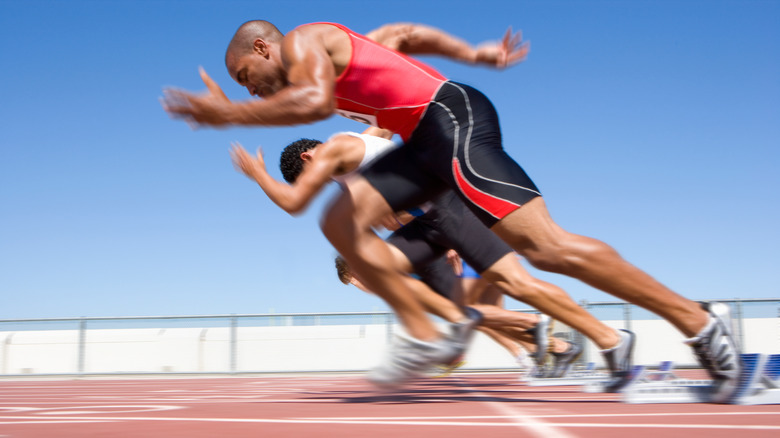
334	40
347	150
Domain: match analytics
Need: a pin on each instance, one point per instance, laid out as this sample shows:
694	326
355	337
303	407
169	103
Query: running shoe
446	370
409	358
718	352
527	366
463	331
541	334
619	359
564	361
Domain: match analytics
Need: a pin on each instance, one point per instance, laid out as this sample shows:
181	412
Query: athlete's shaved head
246	35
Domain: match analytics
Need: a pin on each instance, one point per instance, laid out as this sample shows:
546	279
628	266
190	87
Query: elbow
317	105
322	108
294	207
295	211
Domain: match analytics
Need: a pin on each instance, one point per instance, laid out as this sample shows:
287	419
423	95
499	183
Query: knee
552	258
330	220
516	283
338	223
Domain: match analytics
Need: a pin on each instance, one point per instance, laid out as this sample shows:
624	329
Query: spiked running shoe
619	359
718	352
541	334
564	361
409	358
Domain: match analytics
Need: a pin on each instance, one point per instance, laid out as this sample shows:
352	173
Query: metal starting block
759	384
600	386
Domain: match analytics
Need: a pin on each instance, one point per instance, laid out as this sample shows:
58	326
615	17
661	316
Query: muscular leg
509	275
347	225
430	300
493	297
473	289
497	317
531	232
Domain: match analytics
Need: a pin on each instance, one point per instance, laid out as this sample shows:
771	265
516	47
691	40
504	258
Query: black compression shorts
449	224
457	145
439	276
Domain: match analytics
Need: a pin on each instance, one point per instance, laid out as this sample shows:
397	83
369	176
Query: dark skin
296	79
296	76
336	157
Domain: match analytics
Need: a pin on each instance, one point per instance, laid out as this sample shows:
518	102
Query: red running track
463	405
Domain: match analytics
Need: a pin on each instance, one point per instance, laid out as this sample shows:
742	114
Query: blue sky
651	125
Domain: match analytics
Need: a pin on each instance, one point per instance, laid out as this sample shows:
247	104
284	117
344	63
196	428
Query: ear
306	156
260	47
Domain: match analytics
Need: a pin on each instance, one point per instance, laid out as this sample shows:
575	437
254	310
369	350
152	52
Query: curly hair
291	162
345	275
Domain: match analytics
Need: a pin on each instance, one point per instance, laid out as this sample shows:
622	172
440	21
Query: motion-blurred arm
417	39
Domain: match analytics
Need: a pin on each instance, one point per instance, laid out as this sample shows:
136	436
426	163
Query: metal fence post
233	343
740	322
389	327
82	344
627	316
585	357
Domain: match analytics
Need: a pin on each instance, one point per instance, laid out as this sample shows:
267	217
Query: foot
564	361
409	357
447	369
718	352
527	366
541	334
619	359
463	331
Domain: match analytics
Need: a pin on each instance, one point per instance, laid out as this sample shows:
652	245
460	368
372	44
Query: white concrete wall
296	348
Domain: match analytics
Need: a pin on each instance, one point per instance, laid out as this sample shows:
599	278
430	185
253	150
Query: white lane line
538	428
487	417
88	403
91	409
405	423
55	422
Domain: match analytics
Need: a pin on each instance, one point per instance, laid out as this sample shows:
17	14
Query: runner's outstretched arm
418	39
292	198
308	97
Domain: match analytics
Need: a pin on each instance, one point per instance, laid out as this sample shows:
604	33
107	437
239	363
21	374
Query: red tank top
384	88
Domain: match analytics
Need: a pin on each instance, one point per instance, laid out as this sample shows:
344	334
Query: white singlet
375	147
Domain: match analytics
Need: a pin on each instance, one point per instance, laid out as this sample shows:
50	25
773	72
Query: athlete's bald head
247	33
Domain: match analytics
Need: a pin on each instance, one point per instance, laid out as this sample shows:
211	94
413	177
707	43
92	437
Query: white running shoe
527	366
619	359
717	351
564	361
541	334
463	331
408	358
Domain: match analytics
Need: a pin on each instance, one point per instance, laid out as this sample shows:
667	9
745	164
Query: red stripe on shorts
495	206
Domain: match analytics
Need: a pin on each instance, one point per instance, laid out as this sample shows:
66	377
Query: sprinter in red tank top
369	89
456	144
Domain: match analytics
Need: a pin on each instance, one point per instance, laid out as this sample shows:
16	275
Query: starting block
573	377
637	372
759	385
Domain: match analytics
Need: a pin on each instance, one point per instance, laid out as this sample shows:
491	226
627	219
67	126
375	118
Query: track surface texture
461	405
